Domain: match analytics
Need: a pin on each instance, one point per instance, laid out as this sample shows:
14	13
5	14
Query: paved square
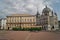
26	35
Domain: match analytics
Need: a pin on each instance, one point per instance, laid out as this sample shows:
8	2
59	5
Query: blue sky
8	7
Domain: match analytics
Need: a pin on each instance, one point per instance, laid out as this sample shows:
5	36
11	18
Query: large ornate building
48	20
21	20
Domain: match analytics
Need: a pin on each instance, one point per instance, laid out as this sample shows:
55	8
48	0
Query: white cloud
24	6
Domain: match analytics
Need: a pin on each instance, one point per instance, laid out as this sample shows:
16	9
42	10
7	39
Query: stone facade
48	20
21	20
3	23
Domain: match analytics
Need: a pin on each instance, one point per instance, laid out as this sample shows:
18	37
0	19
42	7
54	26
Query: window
14	20
33	20
30	20
16	25
19	19
25	20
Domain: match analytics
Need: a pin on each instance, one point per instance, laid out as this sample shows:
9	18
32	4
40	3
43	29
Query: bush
16	29
35	29
28	29
23	29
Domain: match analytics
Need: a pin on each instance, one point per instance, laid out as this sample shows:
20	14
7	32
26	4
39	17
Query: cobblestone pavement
26	35
42	35
3	35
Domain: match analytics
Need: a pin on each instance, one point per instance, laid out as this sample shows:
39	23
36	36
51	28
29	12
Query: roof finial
46	6
37	11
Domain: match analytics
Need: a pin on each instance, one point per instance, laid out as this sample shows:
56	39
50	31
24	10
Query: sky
8	7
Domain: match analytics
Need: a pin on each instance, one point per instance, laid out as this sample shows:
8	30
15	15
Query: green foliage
35	29
16	29
28	29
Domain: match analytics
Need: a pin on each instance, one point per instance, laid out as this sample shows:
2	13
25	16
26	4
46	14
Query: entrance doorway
52	27
8	28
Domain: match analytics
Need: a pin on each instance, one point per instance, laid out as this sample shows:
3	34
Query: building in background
3	23
48	20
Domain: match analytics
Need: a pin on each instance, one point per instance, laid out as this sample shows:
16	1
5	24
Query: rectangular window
25	20
30	20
